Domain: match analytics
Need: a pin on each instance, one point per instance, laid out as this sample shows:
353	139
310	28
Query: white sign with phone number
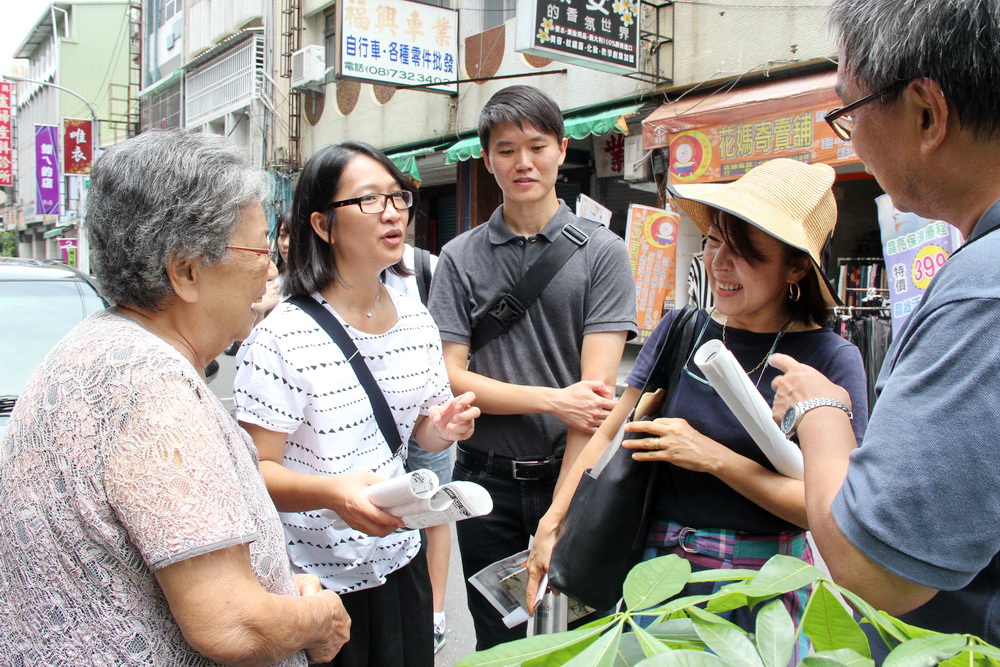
398	42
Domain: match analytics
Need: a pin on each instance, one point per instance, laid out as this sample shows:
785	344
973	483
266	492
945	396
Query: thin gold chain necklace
767	356
374	305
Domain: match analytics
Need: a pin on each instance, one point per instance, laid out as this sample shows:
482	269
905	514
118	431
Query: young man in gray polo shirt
546	384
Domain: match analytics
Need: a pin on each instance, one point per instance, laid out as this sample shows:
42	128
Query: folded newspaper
505	584
417	498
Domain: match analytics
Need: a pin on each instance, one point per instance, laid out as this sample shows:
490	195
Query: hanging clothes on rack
870	329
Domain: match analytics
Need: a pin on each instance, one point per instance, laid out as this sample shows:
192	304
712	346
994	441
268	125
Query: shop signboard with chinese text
6	140
725	144
651	239
47	170
599	34
398	42
68	248
915	249
78	147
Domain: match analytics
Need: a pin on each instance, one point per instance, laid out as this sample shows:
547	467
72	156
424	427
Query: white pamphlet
421	503
730	381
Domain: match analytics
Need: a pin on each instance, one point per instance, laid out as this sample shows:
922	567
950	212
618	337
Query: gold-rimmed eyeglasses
259	251
841	119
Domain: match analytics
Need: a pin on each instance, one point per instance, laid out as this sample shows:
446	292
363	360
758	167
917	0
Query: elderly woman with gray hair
136	526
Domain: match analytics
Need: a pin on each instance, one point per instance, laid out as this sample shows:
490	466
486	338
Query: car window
35	316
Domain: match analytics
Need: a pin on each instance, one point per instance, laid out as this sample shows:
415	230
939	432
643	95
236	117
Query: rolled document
730	381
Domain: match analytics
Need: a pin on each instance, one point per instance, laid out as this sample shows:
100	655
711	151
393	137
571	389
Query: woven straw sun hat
787	199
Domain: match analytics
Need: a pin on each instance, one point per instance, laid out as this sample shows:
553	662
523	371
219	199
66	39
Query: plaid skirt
717	548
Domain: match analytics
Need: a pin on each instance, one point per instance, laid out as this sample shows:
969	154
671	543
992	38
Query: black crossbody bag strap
422	269
336	331
511	307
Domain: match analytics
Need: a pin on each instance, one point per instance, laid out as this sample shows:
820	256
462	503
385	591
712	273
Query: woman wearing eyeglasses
313	422
720	503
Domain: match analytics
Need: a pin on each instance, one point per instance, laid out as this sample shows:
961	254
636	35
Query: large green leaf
874	617
736	597
735	574
602	652
522	650
991	652
728	642
683	659
781	574
704	616
929	650
650	644
966	659
830	626
675	630
775	634
909	631
656	580
839	658
630	653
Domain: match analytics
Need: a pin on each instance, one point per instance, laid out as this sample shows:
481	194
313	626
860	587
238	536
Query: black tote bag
604	531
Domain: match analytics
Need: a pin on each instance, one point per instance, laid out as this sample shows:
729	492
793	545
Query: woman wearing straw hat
720	502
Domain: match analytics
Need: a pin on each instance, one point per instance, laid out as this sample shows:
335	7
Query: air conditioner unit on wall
309	67
637	163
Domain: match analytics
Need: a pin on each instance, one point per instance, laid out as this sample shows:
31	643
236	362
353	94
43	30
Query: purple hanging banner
47	170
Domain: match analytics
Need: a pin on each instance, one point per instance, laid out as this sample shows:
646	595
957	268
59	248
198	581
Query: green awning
407	162
52	233
577	126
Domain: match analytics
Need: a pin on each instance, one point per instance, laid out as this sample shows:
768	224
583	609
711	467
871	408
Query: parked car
40	301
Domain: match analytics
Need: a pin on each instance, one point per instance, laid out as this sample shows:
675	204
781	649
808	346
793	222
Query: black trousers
391	625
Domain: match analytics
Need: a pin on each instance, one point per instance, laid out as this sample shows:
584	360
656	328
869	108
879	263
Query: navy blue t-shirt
701	500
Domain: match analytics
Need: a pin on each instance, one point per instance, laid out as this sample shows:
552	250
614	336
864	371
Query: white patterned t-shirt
292	378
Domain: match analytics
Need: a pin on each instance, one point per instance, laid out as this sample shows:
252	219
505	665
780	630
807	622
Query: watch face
788	421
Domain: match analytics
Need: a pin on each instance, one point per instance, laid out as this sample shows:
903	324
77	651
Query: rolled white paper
733	385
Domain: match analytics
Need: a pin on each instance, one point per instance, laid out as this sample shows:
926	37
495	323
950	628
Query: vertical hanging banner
47	170
915	249
6	154
78	147
68	248
599	34
651	239
399	42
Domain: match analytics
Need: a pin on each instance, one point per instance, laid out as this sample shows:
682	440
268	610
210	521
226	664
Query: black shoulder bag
422	271
511	307
336	331
604	531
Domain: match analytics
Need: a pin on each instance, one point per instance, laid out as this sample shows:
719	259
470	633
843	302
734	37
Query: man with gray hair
909	520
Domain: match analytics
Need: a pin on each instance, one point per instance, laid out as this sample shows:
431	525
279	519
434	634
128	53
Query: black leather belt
525	470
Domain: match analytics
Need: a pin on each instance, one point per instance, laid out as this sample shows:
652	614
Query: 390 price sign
927	263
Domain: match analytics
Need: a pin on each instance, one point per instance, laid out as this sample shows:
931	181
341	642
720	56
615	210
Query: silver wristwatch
795	412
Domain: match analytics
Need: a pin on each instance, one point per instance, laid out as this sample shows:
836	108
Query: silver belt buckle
682	537
514	468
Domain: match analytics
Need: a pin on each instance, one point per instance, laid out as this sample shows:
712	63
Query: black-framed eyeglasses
377	201
841	120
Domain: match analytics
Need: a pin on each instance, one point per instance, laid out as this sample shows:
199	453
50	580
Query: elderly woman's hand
675	441
351	503
800	382
455	420
335	617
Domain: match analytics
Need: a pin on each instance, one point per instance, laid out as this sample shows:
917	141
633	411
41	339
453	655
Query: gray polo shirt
922	494
593	292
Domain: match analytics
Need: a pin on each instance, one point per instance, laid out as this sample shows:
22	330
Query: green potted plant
687	630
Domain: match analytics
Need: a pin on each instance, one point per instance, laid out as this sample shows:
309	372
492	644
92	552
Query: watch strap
807	405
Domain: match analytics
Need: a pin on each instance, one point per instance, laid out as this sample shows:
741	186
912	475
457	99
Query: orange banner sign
651	237
725	144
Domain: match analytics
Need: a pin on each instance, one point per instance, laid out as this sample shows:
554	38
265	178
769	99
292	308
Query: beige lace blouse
119	460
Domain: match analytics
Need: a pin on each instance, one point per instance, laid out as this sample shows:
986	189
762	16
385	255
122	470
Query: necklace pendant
368	314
